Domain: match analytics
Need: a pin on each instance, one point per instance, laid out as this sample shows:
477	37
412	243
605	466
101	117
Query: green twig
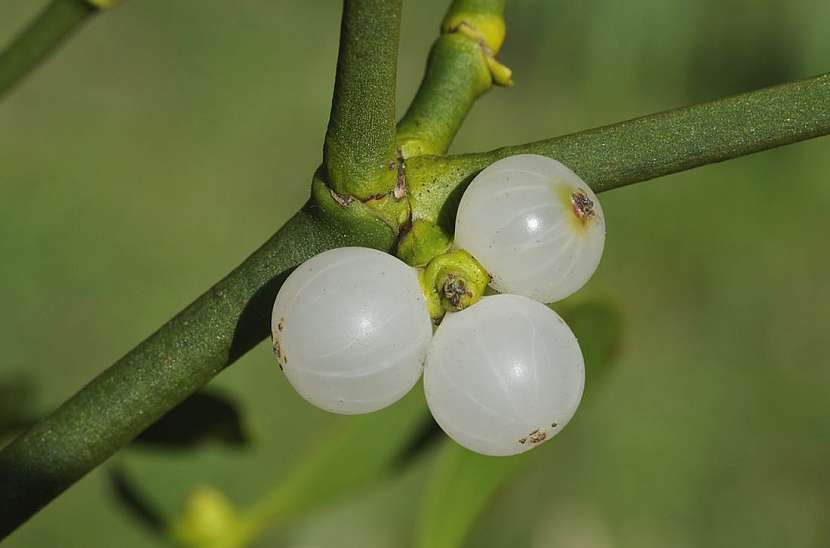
457	73
359	151
233	316
43	35
644	148
216	329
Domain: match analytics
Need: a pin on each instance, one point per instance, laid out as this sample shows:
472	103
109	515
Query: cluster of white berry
352	332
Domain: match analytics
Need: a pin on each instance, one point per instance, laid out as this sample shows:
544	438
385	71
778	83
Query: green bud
452	282
208	515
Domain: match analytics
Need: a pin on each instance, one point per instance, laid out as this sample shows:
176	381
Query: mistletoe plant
382	185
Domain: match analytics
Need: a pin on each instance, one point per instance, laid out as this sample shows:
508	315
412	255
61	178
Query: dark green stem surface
216	329
233	316
359	151
43	35
644	148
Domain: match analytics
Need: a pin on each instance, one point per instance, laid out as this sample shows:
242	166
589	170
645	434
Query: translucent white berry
504	375
534	225
350	329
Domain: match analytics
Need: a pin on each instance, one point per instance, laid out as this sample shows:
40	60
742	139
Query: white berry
534	225
504	375
350	328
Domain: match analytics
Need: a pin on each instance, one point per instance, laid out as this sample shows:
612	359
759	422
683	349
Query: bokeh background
170	138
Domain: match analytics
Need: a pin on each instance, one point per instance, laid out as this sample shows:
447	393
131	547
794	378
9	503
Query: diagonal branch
233	316
43	36
184	354
645	148
459	71
359	151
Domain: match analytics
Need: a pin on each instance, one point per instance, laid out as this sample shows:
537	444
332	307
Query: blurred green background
170	138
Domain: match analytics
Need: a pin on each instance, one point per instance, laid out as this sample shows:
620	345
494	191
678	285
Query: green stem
643	148
216	329
233	316
359	151
457	74
43	35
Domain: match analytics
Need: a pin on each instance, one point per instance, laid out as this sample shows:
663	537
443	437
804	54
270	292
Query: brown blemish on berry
280	324
537	436
275	345
582	206
554	424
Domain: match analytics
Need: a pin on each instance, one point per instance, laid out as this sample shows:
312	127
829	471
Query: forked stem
232	317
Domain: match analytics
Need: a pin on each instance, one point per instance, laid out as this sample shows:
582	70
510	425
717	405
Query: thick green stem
233	316
643	148
43	35
219	327
359	151
458	72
